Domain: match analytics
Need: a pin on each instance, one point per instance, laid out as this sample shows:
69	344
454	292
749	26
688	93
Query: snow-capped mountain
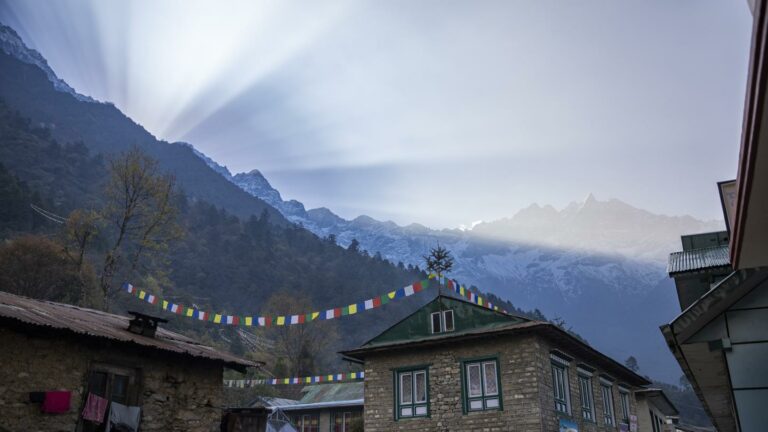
600	265
12	44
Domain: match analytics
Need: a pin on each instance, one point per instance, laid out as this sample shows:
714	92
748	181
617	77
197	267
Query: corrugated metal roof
319	405
98	324
332	392
698	259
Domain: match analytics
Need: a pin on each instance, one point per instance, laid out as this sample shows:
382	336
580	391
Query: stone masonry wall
518	357
176	394
551	417
526	384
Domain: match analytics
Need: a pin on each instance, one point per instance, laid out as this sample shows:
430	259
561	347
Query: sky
436	112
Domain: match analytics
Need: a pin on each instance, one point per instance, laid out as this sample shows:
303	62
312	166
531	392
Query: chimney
145	325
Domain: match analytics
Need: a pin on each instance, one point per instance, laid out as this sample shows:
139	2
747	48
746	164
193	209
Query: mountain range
598	265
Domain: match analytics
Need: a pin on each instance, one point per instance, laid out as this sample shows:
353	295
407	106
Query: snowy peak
11	44
257	185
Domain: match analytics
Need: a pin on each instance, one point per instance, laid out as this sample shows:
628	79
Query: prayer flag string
316	379
279	320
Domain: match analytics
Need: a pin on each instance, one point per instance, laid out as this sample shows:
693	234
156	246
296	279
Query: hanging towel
123	418
95	407
56	402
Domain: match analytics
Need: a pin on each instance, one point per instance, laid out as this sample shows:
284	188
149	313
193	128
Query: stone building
47	347
457	366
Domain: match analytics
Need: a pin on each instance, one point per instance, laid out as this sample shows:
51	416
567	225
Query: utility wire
48	215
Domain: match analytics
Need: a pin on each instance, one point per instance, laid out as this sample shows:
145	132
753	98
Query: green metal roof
332	392
467	317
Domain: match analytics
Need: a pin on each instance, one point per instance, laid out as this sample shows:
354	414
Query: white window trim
611	407
416	401
584	372
495	378
445	321
479	367
432	322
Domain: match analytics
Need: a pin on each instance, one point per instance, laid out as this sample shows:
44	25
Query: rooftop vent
145	325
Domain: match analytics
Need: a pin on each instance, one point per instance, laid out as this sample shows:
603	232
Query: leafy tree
354	246
139	213
37	267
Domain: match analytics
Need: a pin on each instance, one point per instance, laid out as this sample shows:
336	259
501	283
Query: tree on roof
439	260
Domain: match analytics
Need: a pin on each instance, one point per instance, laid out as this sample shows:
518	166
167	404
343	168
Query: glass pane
406	390
476	404
119	389
473	380
421	386
406	412
448	320
436	323
491	384
492	403
421	410
97	384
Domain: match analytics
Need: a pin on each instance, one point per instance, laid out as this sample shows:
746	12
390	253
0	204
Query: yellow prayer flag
281	320
142	294
217	319
165	304
352	309
286	381
190	312
391	294
248	321
315	315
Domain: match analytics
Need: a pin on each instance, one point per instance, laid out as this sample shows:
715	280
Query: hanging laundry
56	402
123	418
95	408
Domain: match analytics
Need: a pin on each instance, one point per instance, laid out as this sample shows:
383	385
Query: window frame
132	391
442	320
397	393
346	423
585	382
484	397
311	416
439	317
561	363
625	404
445	321
609	410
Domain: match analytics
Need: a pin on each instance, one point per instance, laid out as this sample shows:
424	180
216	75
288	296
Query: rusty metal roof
98	324
698	259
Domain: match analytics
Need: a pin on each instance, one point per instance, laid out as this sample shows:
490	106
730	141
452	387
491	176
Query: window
448	320
412	393
481	385
308	423
587	397
560	387
624	399
343	421
113	383
607	391
442	321
436	323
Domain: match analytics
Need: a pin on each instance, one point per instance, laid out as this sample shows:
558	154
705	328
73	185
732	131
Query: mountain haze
599	265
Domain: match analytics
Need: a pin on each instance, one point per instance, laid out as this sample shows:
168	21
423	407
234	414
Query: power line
48	215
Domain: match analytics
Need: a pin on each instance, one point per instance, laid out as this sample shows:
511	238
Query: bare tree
299	346
439	260
139	214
